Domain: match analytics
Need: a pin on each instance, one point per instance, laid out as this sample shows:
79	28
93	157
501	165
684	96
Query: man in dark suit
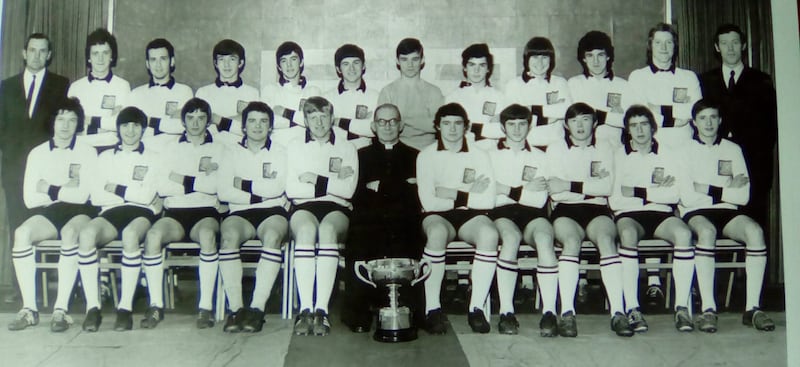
749	108
26	102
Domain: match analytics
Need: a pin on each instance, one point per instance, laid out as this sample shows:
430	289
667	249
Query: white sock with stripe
90	277
506	284
67	273
230	269
433	285
755	263
547	277
25	269
568	281
268	266
704	266
683	274
630	276
327	265
154	273
483	267
207	274
131	268
305	268
611	272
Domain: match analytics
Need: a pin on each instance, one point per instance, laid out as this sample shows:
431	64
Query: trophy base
395	336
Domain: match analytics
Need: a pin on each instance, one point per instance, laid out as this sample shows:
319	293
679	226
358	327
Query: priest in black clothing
386	216
749	110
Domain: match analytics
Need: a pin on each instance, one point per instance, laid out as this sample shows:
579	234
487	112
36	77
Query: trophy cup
394	321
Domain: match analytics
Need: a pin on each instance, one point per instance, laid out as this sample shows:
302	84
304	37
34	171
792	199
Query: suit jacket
19	133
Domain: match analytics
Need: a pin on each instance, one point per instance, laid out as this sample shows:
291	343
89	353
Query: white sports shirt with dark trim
610	97
326	160
199	186
516	169
59	166
136	175
644	173
355	109
483	105
582	167
98	98
228	100
263	175
548	101
159	103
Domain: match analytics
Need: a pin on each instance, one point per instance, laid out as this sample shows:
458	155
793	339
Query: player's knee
327	232
437	236
230	238
755	235
271	239
206	236
707	234
487	238
628	237
69	232
87	239
571	247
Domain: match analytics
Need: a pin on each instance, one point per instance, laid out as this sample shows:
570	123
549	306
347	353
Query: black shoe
233	322
508	324
304	323
477	321
253	320
654	298
620	325
25	317
205	319
707	321
124	321
152	317
93	319
568	326
548	325
60	321
637	321
436	322
758	319
683	321
322	325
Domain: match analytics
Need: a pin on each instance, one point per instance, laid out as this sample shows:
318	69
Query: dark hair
317	104
228	47
476	51
257	106
595	40
39	36
98	37
580	108
160	43
387	106
195	104
68	105
634	111
515	112
450	109
408	46
539	46
348	50
662	27
703	104
131	114
284	49
728	28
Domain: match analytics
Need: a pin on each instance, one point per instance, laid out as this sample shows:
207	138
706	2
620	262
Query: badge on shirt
657	177
680	95
335	165
489	108
171	108
139	172
725	168
528	173
266	170
301	104
552	98
109	102
594	168
74	171
614	100
205	164
362	112
240	105
469	176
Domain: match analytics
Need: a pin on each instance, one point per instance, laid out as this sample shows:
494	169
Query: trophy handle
424	270
359	265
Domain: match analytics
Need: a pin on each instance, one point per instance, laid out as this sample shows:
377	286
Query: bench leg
734	259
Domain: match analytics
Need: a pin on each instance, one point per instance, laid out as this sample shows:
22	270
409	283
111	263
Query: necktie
731	81
30	96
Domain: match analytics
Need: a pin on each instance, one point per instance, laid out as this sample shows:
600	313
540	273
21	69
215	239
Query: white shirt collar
737	72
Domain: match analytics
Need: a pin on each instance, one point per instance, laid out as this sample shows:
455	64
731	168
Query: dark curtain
697	21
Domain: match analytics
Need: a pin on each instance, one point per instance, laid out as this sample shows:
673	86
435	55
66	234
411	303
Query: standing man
417	99
747	100
102	94
26	103
385	213
352	99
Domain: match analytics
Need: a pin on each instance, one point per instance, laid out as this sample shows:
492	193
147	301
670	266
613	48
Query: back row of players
484	199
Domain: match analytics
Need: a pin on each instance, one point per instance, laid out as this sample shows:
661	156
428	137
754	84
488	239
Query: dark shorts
649	220
121	216
188	217
458	217
718	217
521	215
60	213
581	213
322	208
256	216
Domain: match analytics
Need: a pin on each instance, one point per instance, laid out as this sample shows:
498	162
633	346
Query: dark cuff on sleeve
515	193
344	123
576	186
94	125
255	199
716	193
601	117
351	136
461	199
52	192
321	187
640	192
669	120
225	124
188	184
247	185
288	114
477	129
155	124
119	190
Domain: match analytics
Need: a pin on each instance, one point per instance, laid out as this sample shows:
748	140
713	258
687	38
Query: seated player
191	208
646	190
353	100
252	181
456	188
58	198
321	179
718	186
520	214
581	183
124	187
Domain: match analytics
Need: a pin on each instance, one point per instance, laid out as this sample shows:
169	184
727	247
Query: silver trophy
394	321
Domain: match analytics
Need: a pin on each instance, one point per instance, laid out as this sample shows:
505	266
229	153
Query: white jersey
483	105
714	165
325	160
610	97
515	169
590	171
196	163
644	173
355	109
59	167
228	100
99	98
548	100
136	174
263	175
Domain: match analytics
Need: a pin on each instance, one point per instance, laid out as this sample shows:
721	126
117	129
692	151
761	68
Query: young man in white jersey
456	188
520	214
354	101
58	199
190	210
125	188
102	94
719	185
253	182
